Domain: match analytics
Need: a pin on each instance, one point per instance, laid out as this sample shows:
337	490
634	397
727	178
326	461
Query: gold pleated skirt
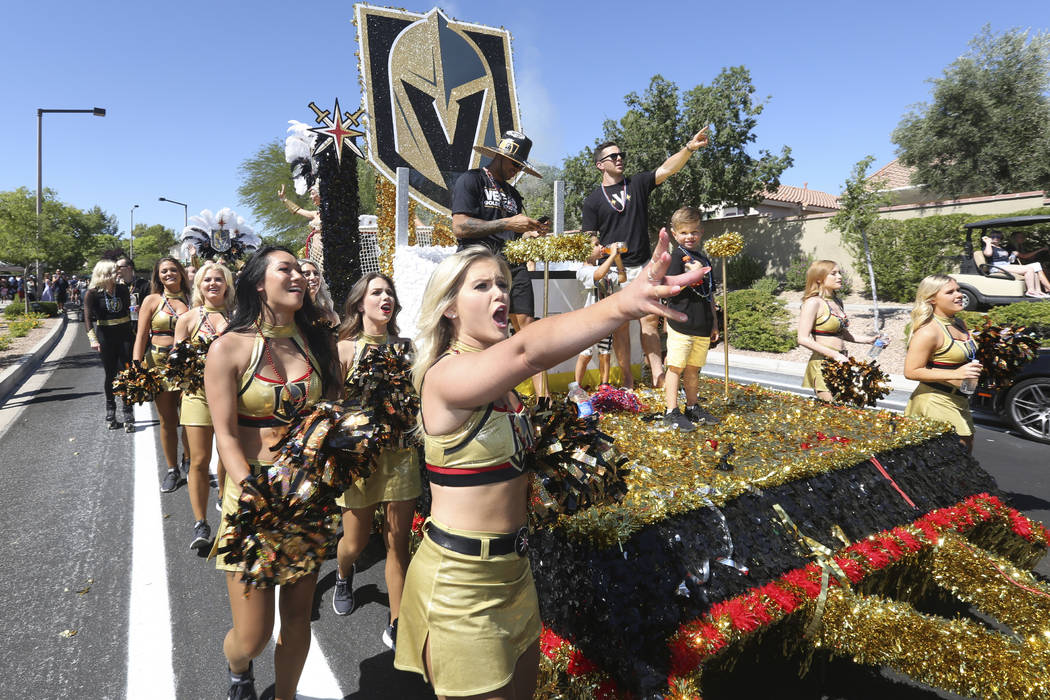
231	494
940	405
396	478
194	410
480	615
813	379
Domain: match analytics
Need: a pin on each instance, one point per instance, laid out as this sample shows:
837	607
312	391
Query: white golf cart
981	284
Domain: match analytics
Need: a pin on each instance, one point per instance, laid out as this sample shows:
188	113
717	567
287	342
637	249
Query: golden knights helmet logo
434	89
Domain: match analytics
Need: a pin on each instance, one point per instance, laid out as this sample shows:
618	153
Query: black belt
946	388
499	545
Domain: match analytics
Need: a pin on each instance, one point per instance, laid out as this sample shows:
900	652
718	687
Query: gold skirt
157	356
231	495
396	478
481	615
940	405
813	379
194	410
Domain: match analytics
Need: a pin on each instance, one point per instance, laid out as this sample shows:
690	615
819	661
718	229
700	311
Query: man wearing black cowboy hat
487	210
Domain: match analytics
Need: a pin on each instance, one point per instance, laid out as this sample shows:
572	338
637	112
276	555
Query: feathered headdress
224	235
299	153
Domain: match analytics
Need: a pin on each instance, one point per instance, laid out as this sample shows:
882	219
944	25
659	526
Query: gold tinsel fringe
386	223
725	246
570	247
959	656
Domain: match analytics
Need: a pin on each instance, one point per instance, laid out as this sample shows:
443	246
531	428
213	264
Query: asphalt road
104	599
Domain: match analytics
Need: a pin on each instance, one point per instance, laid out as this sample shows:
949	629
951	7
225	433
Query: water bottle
878	346
579	397
133	311
968	386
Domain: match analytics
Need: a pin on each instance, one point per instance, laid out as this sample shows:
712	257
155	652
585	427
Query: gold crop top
264	402
490	447
954	353
832	324
164	318
205	329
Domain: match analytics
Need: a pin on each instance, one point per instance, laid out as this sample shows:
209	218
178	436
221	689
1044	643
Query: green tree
261	176
987	130
151	244
661	120
539	193
67	236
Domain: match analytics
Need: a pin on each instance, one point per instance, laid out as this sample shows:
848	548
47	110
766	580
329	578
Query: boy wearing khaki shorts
689	340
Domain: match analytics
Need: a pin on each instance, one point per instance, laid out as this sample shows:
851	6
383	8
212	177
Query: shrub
742	270
5	342
795	276
768	284
20	327
42	308
759	321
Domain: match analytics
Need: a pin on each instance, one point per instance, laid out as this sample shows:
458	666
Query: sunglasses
622	155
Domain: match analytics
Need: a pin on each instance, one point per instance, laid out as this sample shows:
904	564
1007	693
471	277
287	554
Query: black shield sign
434	89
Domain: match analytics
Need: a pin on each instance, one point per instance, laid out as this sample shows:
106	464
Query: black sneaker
201	535
698	415
676	421
213	480
343	598
390	636
242	687
129	419
171	481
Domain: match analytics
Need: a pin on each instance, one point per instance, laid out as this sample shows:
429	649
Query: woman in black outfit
108	324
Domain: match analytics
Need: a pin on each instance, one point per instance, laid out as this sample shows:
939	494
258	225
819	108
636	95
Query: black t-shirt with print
694	302
630	226
481	197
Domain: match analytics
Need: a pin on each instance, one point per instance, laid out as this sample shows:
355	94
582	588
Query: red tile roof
894	174
804	196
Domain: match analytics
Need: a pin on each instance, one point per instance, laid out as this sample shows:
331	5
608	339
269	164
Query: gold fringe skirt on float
940	405
396	478
480	614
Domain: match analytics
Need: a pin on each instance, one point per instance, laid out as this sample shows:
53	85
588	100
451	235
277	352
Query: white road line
317	682
150	671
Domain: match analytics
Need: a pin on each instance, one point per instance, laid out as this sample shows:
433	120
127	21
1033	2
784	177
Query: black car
1025	403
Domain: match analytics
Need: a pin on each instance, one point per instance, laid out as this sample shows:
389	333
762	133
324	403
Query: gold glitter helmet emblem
442	89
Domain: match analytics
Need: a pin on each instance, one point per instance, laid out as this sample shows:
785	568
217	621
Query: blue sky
193	88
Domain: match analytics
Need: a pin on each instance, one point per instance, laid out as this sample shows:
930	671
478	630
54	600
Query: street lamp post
131	234
185	210
98	112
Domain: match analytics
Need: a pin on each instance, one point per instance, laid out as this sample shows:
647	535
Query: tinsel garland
138	383
574	465
411	221
857	382
569	247
386	223
442	232
727	245
285	523
1002	351
768	437
608	399
185	365
960	656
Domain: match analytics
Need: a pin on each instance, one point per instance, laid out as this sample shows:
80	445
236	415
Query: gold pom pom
725	246
573	247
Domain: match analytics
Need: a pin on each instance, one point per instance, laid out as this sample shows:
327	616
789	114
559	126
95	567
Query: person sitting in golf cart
1035	279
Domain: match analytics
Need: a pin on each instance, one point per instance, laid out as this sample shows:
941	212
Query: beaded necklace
610	200
292	391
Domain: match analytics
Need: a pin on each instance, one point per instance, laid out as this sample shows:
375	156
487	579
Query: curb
13	377
797	369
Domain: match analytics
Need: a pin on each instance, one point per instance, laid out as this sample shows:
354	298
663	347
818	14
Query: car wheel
969	300
1028	408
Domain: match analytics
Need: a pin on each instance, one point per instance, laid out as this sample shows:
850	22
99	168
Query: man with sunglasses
487	210
618	209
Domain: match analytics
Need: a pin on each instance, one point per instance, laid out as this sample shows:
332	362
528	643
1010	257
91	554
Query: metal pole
131	235
725	327
401	210
39	185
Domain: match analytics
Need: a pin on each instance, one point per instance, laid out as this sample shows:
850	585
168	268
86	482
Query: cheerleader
370	318
469	619
108	323
319	290
940	357
212	301
158	314
273	362
823	325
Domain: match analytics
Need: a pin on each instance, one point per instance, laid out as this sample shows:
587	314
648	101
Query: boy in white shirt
595	278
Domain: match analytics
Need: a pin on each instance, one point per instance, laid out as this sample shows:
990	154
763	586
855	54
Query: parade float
797	528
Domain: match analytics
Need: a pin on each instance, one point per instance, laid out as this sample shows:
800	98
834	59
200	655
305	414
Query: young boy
595	278
688	341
